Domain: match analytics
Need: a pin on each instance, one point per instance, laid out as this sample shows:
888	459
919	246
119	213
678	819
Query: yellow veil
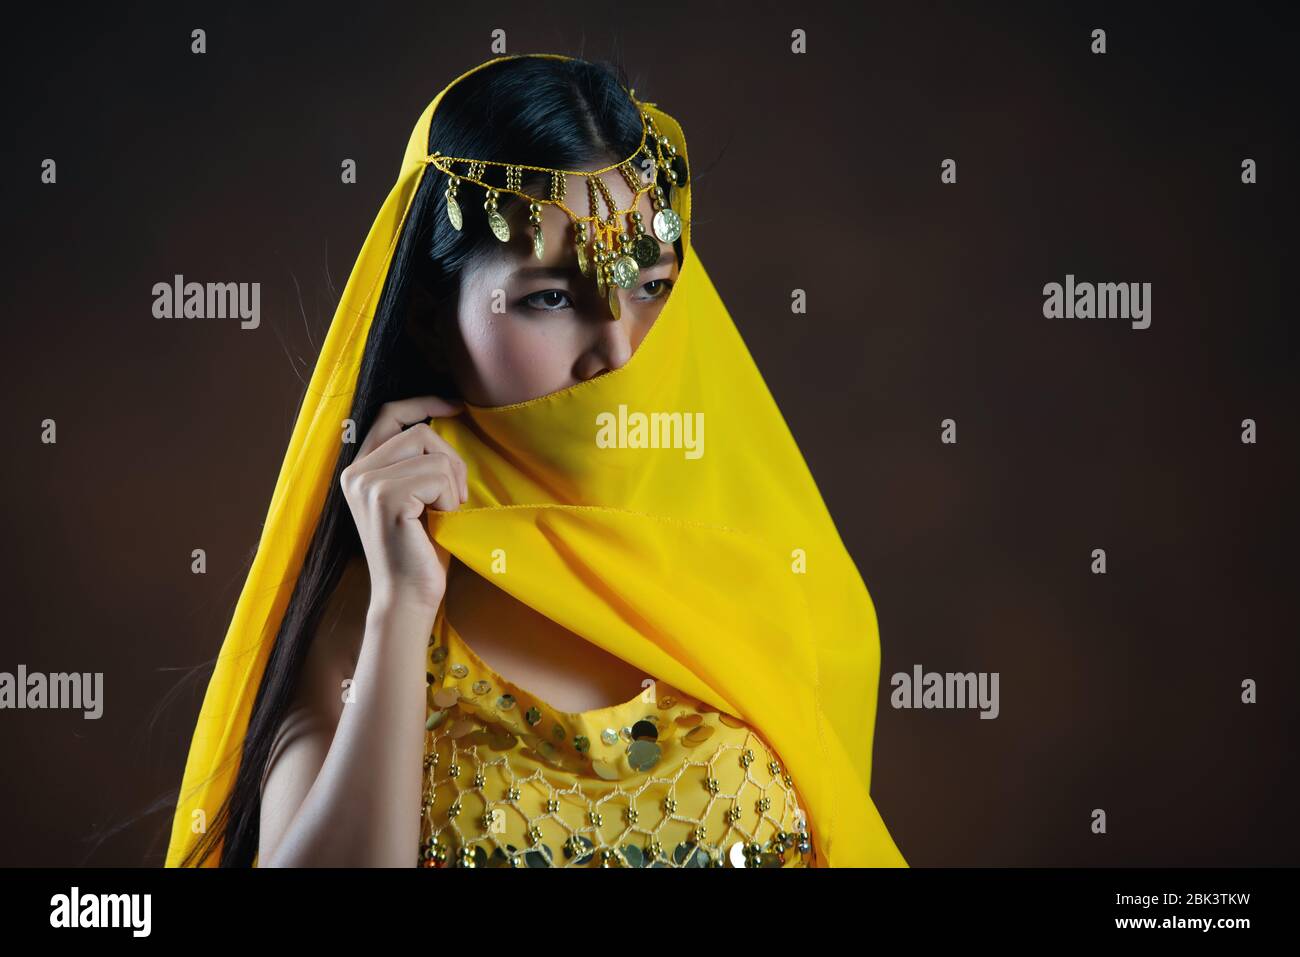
721	574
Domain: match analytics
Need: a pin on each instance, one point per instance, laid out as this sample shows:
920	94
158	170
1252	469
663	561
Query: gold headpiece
616	250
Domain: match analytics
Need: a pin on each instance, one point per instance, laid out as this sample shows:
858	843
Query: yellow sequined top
663	780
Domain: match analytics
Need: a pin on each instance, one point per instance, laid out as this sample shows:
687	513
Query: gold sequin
698	735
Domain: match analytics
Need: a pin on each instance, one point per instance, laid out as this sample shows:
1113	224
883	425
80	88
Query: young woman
510	608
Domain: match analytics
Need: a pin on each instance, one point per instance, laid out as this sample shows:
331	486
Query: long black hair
532	110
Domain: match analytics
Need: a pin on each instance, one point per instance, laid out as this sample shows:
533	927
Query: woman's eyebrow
546	272
666	253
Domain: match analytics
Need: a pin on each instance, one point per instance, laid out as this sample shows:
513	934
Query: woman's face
529	327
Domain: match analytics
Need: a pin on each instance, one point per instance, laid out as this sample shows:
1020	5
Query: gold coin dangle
584	265
453	207
599	261
615	305
667	224
625	270
535	218
500	228
644	249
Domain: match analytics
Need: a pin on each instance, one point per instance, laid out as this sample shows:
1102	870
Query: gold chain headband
616	266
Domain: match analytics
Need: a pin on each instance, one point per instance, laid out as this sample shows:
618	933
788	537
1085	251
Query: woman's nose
610	348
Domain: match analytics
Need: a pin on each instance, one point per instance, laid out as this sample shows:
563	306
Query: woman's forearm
363	808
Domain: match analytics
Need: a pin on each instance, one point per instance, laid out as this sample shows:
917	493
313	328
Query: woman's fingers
411	441
406	488
419	439
415	455
393	417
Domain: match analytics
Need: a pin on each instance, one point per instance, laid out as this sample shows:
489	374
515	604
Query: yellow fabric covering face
721	574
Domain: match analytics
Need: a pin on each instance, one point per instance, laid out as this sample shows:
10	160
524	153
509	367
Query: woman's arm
362	808
344	791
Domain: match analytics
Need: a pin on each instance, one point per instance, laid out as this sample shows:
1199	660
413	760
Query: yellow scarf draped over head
703	555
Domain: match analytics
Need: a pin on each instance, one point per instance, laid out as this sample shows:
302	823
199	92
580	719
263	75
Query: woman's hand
397	474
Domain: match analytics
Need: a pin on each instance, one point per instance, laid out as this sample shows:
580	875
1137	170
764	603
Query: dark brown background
817	171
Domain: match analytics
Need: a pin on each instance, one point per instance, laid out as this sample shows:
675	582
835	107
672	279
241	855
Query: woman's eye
546	301
551	300
664	287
